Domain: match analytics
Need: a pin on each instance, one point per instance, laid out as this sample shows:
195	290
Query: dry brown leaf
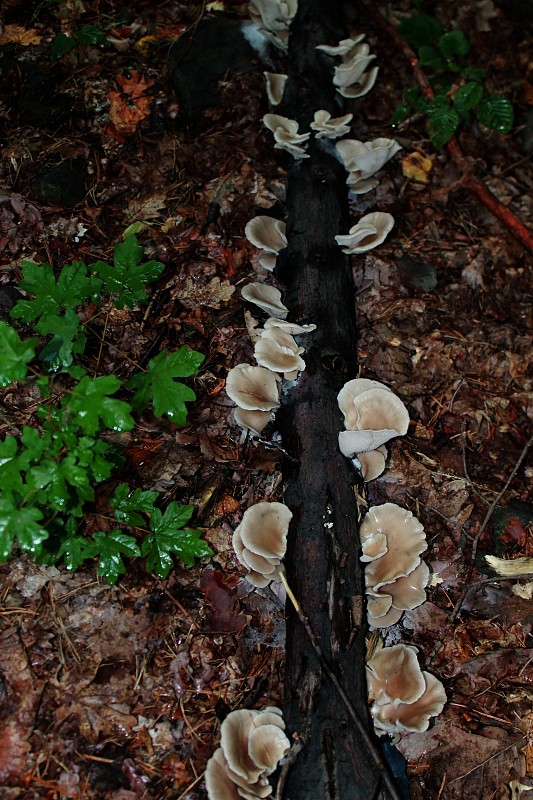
16	34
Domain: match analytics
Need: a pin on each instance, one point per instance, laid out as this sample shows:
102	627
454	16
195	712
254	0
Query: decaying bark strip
322	562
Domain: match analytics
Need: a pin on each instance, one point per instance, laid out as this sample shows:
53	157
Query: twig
484	524
468	179
290	758
352	711
465	468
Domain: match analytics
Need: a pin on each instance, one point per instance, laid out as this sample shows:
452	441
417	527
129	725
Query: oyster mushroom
286	134
350	71
348	394
362	86
260	540
405	540
277	350
253	421
344	48
369	232
394	674
268	234
275	86
363	159
386	605
252	388
372	415
327	128
290	327
393	717
268	298
372	463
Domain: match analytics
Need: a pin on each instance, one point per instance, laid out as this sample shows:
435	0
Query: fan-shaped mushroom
393	674
275	86
372	463
363	159
253	421
262	532
369	232
328	128
291	327
268	234
393	717
252	388
386	605
344	48
349	392
373	415
286	134
405	541
362	86
268	298
277	350
273	15
350	71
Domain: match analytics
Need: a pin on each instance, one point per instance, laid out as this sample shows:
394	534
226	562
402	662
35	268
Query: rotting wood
322	562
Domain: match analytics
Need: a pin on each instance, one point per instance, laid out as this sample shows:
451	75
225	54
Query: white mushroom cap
405	541
393	674
268	298
415	716
349	392
273	15
234	733
350	72
267	744
364	159
252	388
277	350
344	48
357	442
386	605
264	527
253	421
328	128
275	86
372	463
217	781
378	615
290	327
286	134
363	85
266	233
360	185
377	409
369	232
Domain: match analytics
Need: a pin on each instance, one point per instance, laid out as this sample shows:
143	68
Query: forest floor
118	691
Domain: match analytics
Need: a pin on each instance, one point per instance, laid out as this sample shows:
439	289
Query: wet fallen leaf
131	105
226	505
16	34
416	167
224	601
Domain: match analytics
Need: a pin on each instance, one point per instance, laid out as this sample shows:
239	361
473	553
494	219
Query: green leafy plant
64	43
48	473
459	93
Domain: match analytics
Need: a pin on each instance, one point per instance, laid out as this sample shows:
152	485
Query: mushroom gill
267	234
405	541
252	388
369	232
260	540
267	298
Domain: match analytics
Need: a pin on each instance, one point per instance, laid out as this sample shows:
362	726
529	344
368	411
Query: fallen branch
468	179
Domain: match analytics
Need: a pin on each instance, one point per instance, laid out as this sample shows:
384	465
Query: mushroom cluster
363	159
260	541
251	746
273	17
286	135
372	416
392	540
327	128
351	77
403	697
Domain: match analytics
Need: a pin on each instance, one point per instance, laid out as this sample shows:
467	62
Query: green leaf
69	338
21	524
157	384
15	354
10	467
167	540
467	97
496	112
72	288
442	124
61	45
420	29
135	227
90	34
127	502
430	57
90	404
110	547
473	73
127	276
74	552
411	94
454	44
401	113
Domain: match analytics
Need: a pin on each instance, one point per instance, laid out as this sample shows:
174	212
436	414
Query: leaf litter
118	692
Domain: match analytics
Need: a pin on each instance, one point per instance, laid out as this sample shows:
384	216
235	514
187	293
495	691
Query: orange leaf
416	167
133	83
19	35
126	113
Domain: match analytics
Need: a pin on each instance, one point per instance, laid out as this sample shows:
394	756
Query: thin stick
352	711
485	522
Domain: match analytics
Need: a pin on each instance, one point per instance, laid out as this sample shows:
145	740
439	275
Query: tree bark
322	562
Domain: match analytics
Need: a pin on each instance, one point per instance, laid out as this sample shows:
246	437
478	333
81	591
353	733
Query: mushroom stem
366	738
